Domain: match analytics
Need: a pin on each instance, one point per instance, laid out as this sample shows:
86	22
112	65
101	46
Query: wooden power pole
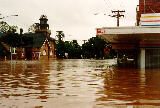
118	15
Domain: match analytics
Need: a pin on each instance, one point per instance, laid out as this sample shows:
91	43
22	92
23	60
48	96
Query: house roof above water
36	39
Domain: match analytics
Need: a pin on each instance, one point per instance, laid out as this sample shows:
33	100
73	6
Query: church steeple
43	22
43	27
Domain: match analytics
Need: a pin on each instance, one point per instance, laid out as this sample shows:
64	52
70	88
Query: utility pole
118	15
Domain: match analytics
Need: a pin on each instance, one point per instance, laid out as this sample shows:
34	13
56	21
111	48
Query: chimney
21	31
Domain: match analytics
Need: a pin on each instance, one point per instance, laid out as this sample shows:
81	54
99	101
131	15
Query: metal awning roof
129	34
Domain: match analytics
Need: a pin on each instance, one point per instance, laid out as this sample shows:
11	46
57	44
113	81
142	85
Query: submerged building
40	45
34	45
141	43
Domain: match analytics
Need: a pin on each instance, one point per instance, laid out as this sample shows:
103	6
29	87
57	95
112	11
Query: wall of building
52	48
47	50
151	6
152	58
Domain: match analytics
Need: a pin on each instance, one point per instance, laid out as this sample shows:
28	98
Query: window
13	50
51	53
44	52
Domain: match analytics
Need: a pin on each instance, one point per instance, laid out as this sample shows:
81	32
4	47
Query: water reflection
77	84
130	87
23	79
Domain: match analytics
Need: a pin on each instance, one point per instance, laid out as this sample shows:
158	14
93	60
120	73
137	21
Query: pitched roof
36	39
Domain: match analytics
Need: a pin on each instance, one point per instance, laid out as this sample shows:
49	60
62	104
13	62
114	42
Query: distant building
38	45
41	46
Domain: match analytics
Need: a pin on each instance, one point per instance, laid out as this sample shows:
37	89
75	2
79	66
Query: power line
110	4
106	4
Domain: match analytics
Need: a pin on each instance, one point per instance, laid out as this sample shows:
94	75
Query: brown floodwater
77	84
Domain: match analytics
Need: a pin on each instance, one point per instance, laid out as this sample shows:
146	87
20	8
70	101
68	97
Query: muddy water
77	84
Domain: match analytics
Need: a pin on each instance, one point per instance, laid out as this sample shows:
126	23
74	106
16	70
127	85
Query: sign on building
100	31
152	19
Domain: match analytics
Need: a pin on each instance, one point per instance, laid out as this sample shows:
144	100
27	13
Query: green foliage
33	27
9	37
73	49
94	48
60	35
5	28
60	49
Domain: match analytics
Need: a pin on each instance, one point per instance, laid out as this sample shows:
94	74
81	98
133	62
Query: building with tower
33	45
43	27
39	45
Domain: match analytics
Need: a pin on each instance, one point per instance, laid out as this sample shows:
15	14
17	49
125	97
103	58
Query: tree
76	50
73	49
60	45
60	35
60	49
95	48
33	27
5	28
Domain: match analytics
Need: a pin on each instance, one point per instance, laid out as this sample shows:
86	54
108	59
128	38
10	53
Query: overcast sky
75	17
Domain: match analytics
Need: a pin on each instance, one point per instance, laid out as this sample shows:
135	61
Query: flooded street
77	84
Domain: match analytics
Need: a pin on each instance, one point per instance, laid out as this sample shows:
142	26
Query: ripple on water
83	83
